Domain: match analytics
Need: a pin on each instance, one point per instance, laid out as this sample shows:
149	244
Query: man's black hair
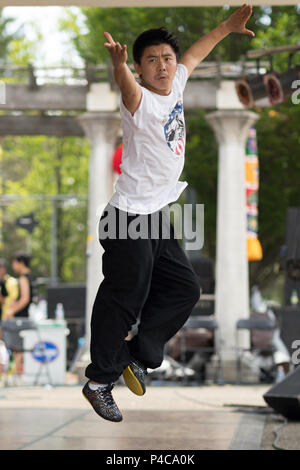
154	37
22	257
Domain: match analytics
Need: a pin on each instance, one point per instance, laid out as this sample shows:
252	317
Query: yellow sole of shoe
132	383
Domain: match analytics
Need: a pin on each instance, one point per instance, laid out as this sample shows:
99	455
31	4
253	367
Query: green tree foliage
5	37
125	24
47	166
283	29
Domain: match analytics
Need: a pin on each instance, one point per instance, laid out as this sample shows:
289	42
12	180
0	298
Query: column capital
229	122
237	113
109	122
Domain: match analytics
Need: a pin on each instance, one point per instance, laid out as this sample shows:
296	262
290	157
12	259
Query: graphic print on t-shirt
175	130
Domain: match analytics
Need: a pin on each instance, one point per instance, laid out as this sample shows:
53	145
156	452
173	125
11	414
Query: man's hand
130	90
200	49
236	23
118	53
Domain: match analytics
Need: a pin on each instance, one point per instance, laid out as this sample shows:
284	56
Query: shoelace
105	395
143	368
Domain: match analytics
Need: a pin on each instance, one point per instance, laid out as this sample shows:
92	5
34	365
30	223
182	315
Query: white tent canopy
145	3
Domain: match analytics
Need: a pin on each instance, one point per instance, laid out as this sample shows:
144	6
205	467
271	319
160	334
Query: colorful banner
252	183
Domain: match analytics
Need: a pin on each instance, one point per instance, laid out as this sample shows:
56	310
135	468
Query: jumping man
148	278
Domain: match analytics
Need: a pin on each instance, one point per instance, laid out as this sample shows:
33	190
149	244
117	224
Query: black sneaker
134	376
103	403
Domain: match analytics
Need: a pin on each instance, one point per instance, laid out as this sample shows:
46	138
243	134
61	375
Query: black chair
12	337
256	323
209	323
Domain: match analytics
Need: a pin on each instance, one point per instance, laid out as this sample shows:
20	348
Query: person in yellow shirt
9	289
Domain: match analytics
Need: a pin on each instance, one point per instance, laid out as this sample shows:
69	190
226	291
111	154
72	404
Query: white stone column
101	128
232	289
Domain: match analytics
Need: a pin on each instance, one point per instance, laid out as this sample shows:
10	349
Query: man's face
158	68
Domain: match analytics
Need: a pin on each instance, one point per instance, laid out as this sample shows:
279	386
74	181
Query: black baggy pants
150	278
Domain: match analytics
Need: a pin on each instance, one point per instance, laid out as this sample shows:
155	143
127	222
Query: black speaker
204	268
284	397
292	235
288	319
72	296
292	253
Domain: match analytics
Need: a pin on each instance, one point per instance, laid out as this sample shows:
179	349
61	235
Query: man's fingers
241	10
248	31
243	7
109	38
247	12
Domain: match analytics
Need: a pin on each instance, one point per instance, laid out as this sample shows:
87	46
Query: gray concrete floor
209	417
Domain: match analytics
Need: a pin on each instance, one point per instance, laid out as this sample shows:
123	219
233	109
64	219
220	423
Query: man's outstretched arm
200	49
130	90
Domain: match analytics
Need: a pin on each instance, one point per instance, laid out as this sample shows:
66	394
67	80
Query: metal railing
64	75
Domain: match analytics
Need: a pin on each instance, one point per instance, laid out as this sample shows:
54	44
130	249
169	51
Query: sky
55	46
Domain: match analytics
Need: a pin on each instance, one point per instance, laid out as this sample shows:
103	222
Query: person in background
9	289
20	307
9	292
281	356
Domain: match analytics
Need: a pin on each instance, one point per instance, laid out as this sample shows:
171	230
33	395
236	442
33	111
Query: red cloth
117	159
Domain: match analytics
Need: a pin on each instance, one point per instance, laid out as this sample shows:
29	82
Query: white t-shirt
153	150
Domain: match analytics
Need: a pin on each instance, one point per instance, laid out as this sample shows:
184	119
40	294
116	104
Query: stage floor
210	417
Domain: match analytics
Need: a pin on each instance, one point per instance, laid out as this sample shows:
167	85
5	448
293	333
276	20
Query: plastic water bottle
43	308
59	312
